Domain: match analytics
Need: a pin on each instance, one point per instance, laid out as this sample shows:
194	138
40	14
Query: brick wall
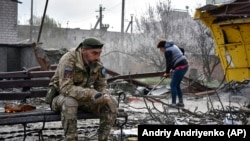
8	21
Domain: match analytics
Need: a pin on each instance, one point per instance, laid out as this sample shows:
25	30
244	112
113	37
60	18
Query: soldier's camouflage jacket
72	79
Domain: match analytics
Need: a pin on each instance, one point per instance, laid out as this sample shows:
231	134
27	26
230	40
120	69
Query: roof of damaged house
226	11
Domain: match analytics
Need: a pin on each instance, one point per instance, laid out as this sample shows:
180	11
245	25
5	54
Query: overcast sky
82	13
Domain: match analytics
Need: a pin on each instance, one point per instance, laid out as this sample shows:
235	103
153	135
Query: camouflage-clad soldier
80	80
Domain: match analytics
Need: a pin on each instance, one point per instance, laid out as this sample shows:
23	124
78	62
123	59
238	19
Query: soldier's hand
98	95
100	98
105	99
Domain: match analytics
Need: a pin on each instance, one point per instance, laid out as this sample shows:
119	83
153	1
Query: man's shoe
180	105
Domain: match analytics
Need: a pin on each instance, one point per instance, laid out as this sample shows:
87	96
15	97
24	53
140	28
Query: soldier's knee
57	103
70	102
70	106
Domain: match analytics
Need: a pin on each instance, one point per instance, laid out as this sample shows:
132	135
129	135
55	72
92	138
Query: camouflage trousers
69	106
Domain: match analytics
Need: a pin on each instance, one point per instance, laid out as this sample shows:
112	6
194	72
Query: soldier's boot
105	139
69	119
102	137
107	121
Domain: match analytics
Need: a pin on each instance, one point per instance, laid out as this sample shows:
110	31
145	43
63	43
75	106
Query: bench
24	85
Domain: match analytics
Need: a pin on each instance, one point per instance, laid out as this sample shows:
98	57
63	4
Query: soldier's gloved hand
105	99
105	91
99	97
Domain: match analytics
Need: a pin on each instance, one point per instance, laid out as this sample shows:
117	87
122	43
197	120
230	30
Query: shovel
163	78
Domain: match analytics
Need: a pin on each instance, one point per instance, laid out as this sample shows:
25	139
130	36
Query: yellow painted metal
232	40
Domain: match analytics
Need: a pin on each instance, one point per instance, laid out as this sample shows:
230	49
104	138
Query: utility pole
31	20
122	20
100	15
131	28
41	26
67	24
97	22
130	25
103	27
122	38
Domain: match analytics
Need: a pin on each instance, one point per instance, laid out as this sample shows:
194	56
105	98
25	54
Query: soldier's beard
92	64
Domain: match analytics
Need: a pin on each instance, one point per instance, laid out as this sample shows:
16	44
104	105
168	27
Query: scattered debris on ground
227	105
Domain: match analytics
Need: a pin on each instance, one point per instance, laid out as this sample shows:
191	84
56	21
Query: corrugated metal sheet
234	10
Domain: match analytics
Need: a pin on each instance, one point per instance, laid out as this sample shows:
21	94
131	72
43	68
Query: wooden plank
14	95
38	93
22	95
131	77
205	93
24	83
136	76
26	74
14	75
38	74
193	84
39	115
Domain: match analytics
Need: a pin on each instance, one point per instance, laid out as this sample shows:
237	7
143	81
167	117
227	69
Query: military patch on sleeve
103	72
68	72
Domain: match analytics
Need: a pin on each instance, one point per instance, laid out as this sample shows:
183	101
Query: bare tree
162	21
205	48
159	22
